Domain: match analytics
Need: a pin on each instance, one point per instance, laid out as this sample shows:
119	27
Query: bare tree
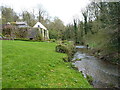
41	13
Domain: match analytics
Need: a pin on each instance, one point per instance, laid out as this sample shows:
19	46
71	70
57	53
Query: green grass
36	65
0	64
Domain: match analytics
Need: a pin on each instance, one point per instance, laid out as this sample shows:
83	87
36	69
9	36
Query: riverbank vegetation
102	32
99	30
66	47
27	64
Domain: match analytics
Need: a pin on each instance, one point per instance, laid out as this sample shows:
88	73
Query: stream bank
113	58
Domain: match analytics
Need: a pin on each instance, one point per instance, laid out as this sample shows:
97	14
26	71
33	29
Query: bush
22	39
38	38
89	78
53	40
66	48
20	32
65	41
74	67
65	59
61	49
1	35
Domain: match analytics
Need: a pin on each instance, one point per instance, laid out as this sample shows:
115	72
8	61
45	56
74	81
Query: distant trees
56	28
41	14
85	15
75	31
69	32
100	28
29	18
8	15
99	16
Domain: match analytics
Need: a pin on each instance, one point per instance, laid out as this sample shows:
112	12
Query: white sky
64	9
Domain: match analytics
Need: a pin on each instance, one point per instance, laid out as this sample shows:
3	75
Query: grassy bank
101	47
37	65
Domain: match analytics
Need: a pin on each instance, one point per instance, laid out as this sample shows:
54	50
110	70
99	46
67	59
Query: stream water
104	74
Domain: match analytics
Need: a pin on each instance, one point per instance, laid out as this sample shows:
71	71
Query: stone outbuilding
38	32
24	31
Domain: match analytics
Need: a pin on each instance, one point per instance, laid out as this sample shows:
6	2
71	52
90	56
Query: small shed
39	31
39	25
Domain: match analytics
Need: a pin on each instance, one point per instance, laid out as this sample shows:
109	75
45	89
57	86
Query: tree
42	14
8	15
56	28
102	20
75	30
85	15
69	32
28	17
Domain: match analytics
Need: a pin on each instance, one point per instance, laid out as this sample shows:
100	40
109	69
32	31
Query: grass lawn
36	65
0	64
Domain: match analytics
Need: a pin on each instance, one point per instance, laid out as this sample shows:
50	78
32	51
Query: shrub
38	38
48	40
89	78
20	32
65	41
65	59
74	67
61	48
66	48
52	40
22	39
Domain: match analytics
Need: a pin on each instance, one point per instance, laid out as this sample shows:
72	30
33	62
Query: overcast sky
64	9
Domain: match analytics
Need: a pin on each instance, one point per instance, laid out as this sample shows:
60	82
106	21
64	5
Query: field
28	64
